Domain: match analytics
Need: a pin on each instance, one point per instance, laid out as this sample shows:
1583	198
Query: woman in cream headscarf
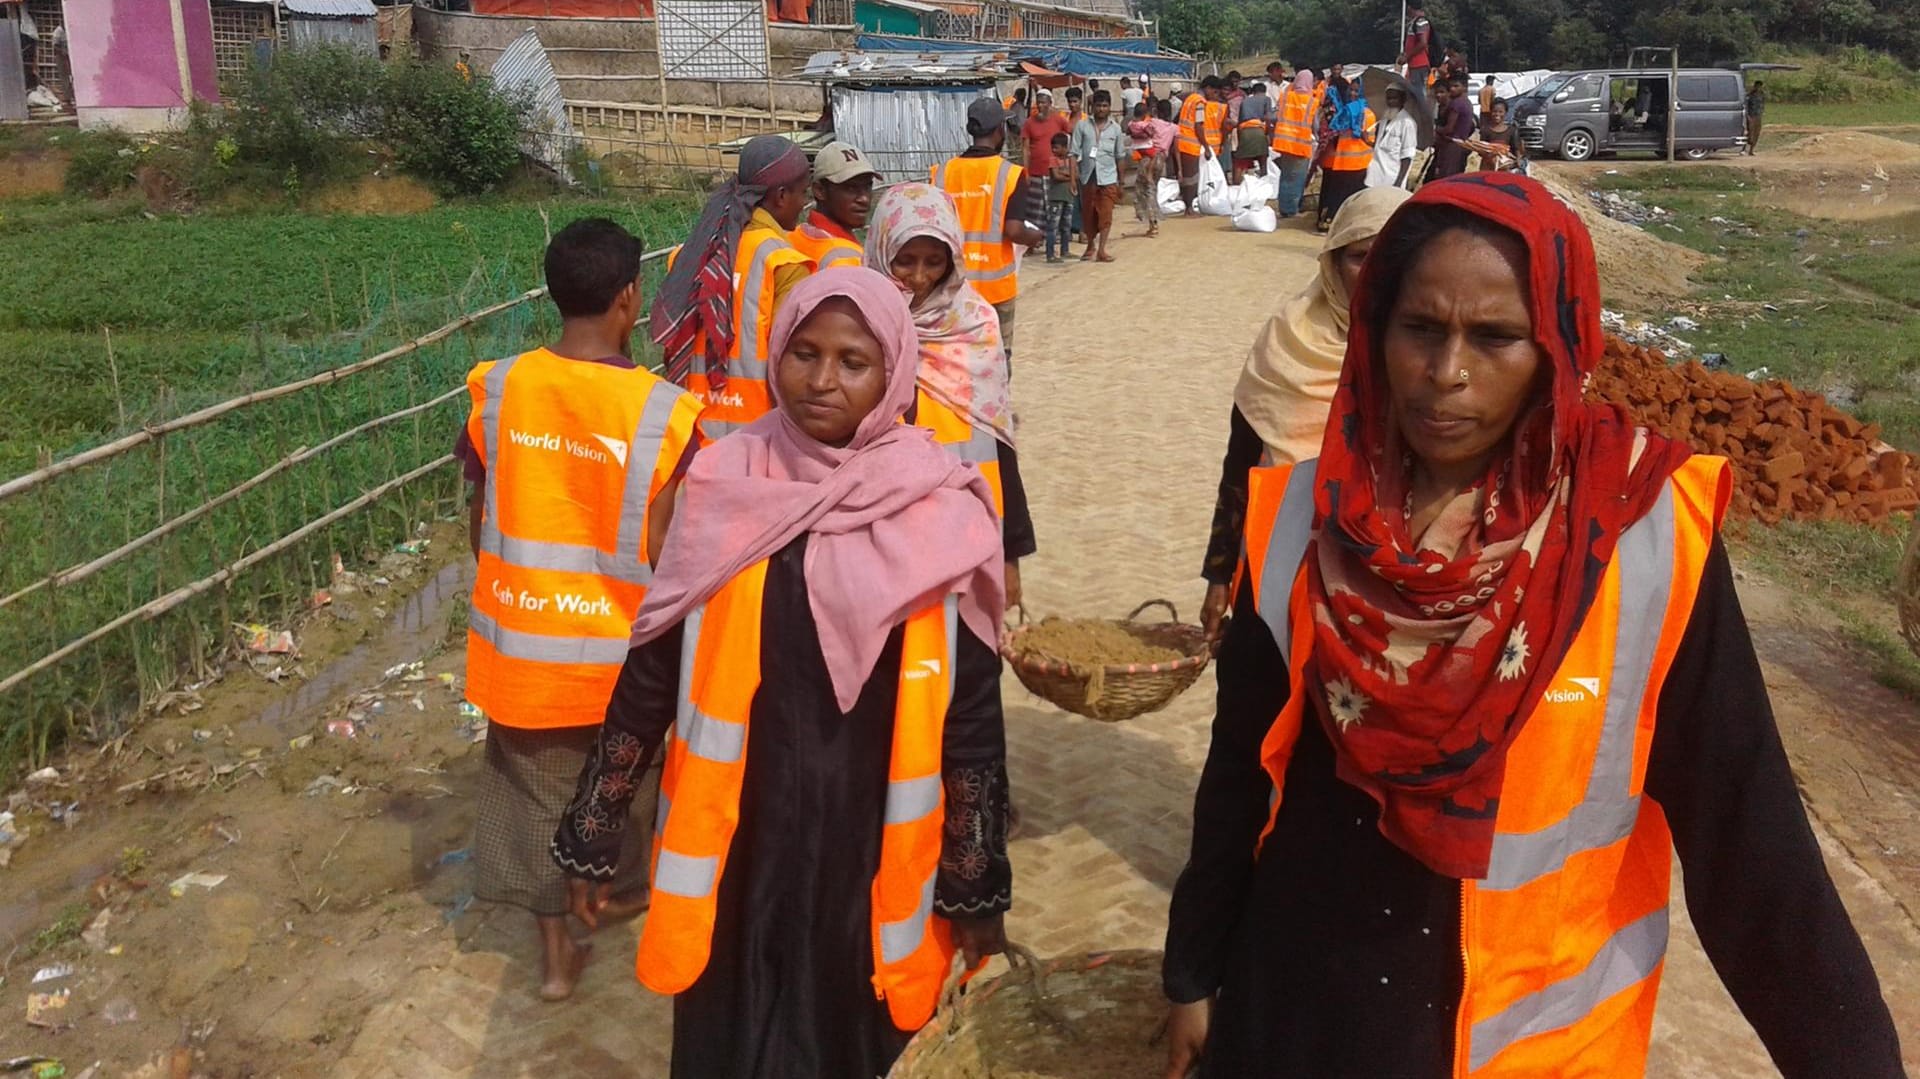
1286	390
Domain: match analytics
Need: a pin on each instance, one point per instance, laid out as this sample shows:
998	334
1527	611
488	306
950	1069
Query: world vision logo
1587	689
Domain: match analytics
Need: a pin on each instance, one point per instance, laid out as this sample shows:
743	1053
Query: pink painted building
138	63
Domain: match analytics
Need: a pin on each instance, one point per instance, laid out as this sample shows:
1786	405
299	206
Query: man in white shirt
1130	95
1396	138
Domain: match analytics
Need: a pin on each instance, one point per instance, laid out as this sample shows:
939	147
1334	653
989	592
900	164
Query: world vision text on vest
575	454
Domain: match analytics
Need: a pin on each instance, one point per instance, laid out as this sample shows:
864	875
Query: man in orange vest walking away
996	211
575	455
714	315
843	181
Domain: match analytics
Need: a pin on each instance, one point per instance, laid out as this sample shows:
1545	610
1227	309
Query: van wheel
1696	154
1577	145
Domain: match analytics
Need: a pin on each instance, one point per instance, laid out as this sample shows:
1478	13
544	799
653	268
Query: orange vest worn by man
766	267
843	182
706	766
991	196
1565	939
688	321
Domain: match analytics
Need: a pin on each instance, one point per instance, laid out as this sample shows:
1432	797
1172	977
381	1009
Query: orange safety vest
969	443
1351	153
706	765
980	186
1564	941
825	244
745	397
1293	134
575	454
1201	120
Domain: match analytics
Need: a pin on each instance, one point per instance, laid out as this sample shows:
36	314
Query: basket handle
1020	960
1173	614
1019	609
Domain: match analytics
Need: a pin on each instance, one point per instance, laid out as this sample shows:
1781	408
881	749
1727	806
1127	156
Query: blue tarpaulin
1114	56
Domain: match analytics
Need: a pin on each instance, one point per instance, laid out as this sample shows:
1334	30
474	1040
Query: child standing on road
1063	192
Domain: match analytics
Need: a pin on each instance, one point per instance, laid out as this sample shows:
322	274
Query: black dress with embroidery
787	991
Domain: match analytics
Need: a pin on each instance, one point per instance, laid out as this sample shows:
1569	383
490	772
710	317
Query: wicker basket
1117	692
1097	1016
1906	590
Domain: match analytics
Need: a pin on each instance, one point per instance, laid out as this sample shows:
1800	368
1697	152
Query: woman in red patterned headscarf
1487	670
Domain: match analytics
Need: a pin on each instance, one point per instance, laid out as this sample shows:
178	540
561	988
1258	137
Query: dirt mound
1851	148
1638	269
374	195
33	172
1794	456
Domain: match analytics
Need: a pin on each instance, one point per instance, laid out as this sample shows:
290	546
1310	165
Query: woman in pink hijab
854	523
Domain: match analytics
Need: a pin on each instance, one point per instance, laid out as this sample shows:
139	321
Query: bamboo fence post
113	369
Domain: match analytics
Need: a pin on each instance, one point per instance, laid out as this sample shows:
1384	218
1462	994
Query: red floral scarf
1428	656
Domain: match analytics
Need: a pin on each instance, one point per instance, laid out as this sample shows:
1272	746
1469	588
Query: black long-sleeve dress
1244	448
787	992
1335	953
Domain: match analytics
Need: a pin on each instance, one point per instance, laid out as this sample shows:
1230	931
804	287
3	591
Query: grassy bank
1831	306
204	308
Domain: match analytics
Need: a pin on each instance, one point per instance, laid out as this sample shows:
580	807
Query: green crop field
127	318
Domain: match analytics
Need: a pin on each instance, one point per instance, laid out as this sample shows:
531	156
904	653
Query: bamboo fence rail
229	567
155	608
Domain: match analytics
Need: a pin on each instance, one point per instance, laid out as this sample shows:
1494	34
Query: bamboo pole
33	479
212	412
81	571
155	608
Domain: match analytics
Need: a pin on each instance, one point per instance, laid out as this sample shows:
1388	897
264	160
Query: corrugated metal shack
907	110
332	22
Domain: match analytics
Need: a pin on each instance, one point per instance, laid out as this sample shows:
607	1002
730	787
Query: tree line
1514	35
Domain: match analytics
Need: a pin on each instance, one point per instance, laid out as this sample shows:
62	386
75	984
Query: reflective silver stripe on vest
1607	812
1286	546
837	255
901	939
706	737
542	648
980	448
1627	958
643	458
749	361
911	799
689	878
627	562
495	387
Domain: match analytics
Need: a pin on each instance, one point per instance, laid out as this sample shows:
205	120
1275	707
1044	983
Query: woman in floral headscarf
913	235
1488	672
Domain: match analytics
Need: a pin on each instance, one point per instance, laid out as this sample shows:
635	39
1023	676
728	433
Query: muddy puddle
413	631
1848	202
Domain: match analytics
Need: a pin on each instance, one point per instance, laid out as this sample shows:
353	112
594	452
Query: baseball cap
837	162
984	115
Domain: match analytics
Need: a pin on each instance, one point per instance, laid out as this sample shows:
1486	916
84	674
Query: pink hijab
962	362
896	522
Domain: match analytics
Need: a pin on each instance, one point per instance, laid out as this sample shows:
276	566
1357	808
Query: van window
1717	89
1583	88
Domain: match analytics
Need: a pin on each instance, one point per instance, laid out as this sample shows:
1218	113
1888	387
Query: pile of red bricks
1795	457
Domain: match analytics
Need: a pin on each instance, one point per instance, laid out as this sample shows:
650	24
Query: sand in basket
1092	645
